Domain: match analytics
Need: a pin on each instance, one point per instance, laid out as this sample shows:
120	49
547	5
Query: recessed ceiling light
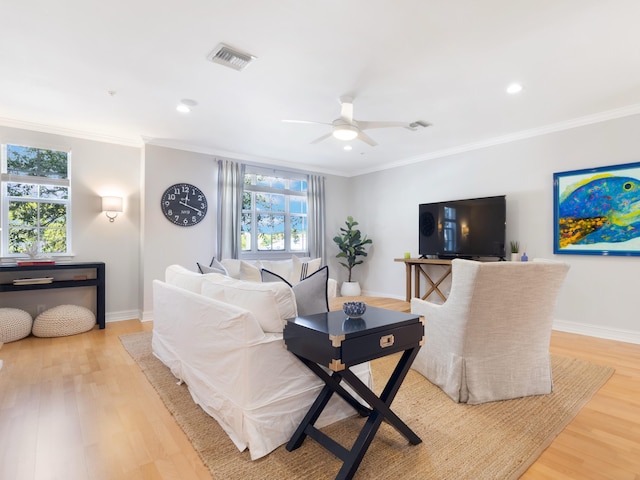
348	148
514	88
186	105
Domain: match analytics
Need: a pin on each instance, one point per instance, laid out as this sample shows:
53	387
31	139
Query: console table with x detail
419	270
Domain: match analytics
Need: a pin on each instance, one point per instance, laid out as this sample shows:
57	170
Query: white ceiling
445	62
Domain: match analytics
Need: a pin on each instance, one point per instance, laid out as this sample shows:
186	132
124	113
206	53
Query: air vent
419	123
225	55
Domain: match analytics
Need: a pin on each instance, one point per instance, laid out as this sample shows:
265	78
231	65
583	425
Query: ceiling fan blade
346	108
305	121
370	125
323	137
366	139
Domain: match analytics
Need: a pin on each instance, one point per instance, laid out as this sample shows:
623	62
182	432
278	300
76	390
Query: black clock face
183	204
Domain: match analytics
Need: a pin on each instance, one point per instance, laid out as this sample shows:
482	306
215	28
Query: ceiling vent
419	123
225	55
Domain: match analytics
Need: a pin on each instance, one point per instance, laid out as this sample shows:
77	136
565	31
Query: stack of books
26	263
32	281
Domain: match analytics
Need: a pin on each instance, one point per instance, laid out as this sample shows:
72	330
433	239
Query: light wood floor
79	408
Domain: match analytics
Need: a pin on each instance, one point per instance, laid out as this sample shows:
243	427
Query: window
274	212
450	228
36	199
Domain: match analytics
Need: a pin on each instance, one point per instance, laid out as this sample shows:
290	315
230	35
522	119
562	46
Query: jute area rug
498	440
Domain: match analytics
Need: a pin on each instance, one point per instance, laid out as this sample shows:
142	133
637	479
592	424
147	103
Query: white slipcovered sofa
223	338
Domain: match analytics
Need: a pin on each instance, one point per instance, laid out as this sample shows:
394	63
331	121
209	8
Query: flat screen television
470	228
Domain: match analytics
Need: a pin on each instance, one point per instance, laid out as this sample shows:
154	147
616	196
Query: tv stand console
418	265
98	282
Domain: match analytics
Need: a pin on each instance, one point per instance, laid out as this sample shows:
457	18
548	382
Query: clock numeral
170	212
185	221
194	219
177	217
171	196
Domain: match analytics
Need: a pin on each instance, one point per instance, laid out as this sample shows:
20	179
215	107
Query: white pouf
63	320
14	324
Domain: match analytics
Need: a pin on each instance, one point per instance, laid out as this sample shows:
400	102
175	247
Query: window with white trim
36	200
274	212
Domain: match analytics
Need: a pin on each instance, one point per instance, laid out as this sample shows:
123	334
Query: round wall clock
183	204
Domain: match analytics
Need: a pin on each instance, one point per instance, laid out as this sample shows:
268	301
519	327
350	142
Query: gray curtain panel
230	187
316	215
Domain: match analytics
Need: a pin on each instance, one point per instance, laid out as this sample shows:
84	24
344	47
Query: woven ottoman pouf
14	324
63	320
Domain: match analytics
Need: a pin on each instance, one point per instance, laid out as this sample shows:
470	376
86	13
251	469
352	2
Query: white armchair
490	340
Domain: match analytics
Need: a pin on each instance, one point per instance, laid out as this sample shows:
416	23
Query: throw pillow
214	267
310	293
283	268
303	267
241	269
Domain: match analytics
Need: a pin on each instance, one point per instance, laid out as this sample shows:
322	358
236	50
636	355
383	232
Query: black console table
328	339
98	282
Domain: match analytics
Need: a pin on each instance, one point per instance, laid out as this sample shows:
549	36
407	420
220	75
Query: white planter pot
350	289
515	257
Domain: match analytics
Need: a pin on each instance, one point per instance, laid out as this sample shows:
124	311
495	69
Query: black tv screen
470	228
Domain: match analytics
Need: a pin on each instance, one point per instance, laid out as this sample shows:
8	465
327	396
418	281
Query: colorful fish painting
603	208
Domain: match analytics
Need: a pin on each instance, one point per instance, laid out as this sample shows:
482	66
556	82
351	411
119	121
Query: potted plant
352	245
515	249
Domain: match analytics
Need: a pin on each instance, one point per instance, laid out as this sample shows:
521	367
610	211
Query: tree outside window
274	217
36	198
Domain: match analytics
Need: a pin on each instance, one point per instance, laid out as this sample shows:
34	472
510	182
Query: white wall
164	243
97	169
600	293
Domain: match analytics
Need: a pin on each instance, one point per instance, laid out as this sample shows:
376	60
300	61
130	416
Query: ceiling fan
347	128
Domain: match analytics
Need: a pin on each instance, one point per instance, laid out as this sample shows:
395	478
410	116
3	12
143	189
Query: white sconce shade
111	206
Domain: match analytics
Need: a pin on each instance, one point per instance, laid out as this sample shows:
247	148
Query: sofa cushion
270	303
214	267
182	277
310	293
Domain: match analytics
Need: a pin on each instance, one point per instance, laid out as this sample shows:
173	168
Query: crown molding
514	137
69	132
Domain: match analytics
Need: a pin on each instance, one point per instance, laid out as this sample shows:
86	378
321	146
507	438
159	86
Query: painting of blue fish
597	211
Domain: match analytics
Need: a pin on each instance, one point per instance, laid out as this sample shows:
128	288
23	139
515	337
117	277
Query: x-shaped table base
380	410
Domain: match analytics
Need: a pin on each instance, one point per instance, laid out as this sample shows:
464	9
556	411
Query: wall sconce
111	206
465	230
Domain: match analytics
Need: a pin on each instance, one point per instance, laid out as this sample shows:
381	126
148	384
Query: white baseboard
620	335
122	315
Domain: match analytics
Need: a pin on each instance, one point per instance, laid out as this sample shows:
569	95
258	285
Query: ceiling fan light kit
345	132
